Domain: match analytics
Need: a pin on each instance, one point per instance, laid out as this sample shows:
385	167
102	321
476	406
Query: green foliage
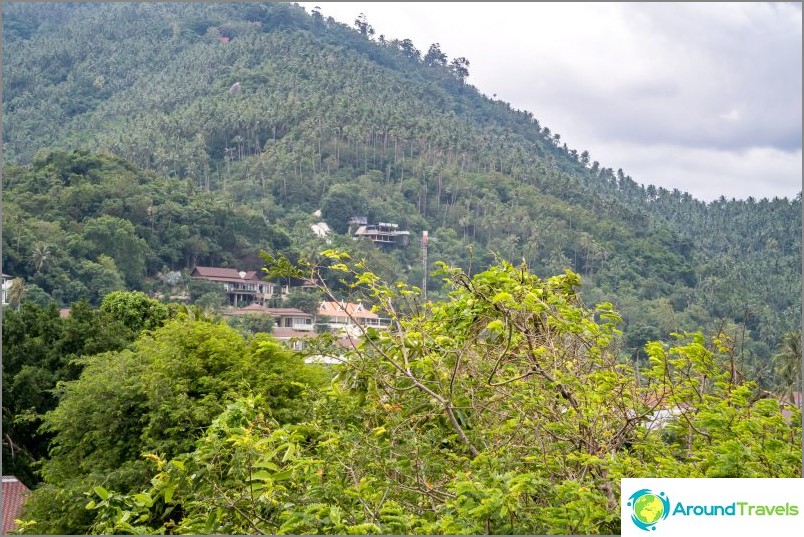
41	349
306	301
252	323
207	295
36	295
787	363
134	310
502	409
157	396
341	203
118	239
188	171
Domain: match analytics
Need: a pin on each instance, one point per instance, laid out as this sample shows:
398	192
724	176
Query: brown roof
347	343
14	492
216	272
288	312
251	308
224	274
274	312
280	332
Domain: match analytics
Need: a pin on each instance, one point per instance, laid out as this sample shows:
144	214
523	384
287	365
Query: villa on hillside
382	233
347	318
288	318
242	288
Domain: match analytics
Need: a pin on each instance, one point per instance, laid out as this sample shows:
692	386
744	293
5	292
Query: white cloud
706	173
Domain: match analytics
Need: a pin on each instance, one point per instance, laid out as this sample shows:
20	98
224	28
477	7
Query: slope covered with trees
267	113
142	139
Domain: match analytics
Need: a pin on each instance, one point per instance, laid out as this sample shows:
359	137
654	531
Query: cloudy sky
703	97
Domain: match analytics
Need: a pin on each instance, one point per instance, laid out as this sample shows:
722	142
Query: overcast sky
703	97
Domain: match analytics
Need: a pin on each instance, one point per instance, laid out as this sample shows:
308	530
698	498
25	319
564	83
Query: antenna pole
424	263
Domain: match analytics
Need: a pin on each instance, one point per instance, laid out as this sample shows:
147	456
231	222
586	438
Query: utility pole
424	263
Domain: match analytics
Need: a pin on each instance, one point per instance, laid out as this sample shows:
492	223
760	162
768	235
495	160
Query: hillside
579	306
250	117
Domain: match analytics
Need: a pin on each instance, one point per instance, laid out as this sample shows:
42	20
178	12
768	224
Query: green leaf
169	493
289	453
101	492
282	476
261	475
495	326
210	522
143	499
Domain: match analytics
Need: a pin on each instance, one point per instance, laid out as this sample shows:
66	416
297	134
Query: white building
6	288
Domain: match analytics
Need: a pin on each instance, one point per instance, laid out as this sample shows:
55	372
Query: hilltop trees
434	56
362	25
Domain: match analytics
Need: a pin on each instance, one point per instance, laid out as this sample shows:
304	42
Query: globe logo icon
648	508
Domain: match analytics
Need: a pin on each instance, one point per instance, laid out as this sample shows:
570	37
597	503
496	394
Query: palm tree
787	363
40	256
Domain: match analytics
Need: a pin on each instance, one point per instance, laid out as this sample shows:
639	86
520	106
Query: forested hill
212	131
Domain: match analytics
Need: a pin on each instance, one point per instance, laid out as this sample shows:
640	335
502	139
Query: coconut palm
41	255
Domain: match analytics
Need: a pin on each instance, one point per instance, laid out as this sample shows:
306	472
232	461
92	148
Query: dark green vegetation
138	144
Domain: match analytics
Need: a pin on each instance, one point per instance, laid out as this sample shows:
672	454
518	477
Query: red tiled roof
332	309
14	492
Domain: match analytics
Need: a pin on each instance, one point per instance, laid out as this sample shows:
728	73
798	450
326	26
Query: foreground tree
157	396
503	409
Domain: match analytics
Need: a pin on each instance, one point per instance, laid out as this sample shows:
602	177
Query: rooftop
14	492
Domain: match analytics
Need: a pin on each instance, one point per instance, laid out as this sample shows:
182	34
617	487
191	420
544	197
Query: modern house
383	234
292	338
242	288
348	318
290	318
292	326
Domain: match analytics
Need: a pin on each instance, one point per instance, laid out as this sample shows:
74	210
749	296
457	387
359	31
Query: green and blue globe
648	508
